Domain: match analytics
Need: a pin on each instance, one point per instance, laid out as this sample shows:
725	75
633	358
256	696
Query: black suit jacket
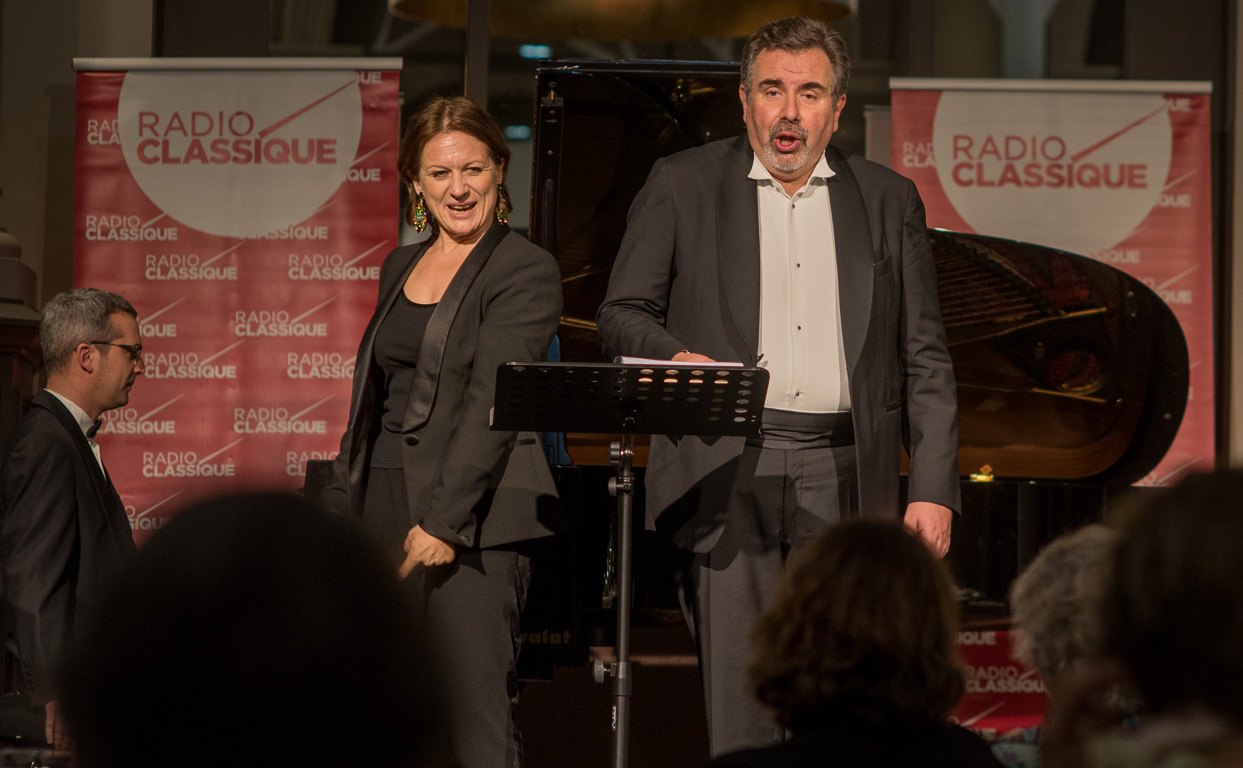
688	277
63	536
465	483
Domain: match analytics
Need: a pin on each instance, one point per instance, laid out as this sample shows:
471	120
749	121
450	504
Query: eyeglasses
134	350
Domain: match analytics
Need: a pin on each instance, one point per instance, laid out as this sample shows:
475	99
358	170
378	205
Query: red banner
245	214
1002	694
1118	171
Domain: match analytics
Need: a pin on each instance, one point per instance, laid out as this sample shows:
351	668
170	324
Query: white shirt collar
84	421
760	173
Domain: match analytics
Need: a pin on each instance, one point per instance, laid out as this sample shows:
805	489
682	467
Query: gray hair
795	35
1056	602
77	316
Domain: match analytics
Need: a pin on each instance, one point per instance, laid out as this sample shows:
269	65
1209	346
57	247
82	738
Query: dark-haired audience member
856	658
1173	624
255	630
1055	605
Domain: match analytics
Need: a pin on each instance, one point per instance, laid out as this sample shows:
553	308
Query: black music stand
656	397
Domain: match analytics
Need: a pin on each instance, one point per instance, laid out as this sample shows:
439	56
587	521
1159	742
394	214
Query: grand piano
1072	376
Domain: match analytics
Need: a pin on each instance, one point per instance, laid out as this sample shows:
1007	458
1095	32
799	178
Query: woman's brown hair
865	620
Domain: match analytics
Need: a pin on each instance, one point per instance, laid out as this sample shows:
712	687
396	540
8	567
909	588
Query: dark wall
215	28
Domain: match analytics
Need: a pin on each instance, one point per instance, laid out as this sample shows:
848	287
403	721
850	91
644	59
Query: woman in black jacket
454	500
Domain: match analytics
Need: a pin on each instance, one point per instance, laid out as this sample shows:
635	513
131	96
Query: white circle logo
239	154
1075	171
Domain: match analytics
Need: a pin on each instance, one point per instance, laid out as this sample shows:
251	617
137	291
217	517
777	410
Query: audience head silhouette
1056	604
1174	610
255	630
864	622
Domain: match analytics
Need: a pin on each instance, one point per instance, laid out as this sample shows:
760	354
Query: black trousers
790	487
472	609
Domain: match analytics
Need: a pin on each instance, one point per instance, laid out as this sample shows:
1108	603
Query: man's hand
54	726
424	549
691	357
932	523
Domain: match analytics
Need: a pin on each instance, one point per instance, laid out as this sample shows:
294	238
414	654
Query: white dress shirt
85	422
800	311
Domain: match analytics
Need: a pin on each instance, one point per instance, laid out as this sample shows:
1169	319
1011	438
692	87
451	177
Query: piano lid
1067	368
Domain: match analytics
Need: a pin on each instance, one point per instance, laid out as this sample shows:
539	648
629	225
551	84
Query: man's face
118	368
791	113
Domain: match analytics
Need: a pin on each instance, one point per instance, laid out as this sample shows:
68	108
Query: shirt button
412	439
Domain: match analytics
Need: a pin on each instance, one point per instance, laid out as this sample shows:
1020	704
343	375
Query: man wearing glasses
63	528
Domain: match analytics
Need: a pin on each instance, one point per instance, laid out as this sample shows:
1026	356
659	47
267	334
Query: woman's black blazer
465	483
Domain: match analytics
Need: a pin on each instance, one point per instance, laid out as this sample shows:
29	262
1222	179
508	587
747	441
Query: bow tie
94	428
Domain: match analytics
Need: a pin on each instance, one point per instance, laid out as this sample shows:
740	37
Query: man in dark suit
63	530
776	249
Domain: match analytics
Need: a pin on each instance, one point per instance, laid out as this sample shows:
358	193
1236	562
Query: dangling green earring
502	215
420	214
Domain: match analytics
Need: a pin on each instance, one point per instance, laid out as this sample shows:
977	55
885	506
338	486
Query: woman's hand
424	549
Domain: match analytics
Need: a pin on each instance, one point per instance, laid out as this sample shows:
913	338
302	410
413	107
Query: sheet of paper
645	361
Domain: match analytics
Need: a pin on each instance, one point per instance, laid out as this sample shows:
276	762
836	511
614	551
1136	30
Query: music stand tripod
651	397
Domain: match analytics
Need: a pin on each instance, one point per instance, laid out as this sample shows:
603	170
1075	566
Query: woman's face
458	180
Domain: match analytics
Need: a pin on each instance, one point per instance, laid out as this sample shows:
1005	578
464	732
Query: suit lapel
738	238
436	337
118	520
855	257
109	501
367	381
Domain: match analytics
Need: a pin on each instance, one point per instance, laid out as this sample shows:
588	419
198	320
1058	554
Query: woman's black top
397	344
